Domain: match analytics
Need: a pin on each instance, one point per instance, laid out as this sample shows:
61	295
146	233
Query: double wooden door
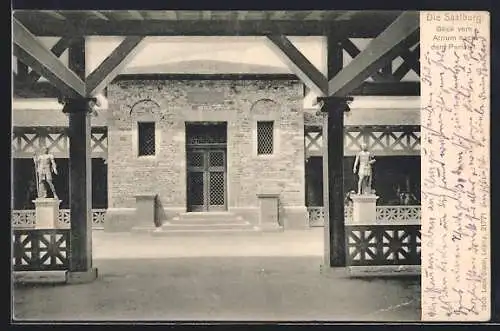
206	179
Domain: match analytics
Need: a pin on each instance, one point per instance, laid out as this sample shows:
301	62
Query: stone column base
81	277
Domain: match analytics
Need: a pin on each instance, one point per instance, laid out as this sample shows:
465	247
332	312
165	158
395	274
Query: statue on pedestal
364	159
45	165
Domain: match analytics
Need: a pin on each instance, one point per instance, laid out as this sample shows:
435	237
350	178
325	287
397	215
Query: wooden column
333	157
80	174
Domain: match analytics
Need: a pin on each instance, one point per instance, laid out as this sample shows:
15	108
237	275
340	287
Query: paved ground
255	277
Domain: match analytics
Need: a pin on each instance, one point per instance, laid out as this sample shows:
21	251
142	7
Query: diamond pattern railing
25	219
40	249
369	245
385	214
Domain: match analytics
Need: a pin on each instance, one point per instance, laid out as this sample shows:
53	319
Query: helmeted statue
45	165
364	159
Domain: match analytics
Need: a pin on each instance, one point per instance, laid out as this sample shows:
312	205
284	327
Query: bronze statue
45	165
365	160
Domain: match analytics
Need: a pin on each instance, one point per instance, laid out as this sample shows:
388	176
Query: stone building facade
241	113
181	113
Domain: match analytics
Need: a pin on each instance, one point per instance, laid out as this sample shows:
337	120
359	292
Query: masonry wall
170	104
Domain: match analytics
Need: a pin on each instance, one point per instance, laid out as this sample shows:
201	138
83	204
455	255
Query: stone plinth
46	213
269	212
145	211
364	209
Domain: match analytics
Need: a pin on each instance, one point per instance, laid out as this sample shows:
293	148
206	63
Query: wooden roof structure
360	24
394	34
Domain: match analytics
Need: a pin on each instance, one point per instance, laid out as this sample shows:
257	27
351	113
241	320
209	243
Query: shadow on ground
221	288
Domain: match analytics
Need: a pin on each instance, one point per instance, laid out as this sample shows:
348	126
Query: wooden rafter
60	46
100	15
380	51
354	51
159	26
112	65
135	14
300	65
410	62
34	54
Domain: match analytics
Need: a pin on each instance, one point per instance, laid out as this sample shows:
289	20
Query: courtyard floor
265	277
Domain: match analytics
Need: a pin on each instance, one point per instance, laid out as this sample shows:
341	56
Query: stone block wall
240	103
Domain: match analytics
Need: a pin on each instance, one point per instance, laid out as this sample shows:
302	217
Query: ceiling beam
379	52
355	28
135	14
33	53
99	15
299	64
206	15
112	65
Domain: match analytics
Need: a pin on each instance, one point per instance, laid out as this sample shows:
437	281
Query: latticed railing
26	219
394	214
316	216
398	213
41	249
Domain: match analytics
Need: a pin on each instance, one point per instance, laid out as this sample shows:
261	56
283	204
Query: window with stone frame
146	133
265	137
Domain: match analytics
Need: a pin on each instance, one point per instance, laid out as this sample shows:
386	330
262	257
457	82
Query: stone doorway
206	159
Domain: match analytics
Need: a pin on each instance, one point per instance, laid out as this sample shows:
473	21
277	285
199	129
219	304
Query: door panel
196	194
206	179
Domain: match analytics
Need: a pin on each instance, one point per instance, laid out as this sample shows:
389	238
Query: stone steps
210	226
162	232
200	223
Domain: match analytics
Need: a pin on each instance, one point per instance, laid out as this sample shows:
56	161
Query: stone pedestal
46	213
364	209
269	212
145	211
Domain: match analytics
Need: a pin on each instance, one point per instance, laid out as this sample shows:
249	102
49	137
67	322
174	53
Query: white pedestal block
364	209
46	213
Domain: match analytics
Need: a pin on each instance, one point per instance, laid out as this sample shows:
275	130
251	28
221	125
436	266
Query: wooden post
333	157
80	266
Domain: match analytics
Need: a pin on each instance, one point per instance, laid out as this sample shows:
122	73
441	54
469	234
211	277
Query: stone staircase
206	223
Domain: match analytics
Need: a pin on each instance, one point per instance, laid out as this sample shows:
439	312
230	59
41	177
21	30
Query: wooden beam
99	14
381	50
354	51
135	14
112	65
299	64
33	53
206	15
410	62
220	27
388	89
59	48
